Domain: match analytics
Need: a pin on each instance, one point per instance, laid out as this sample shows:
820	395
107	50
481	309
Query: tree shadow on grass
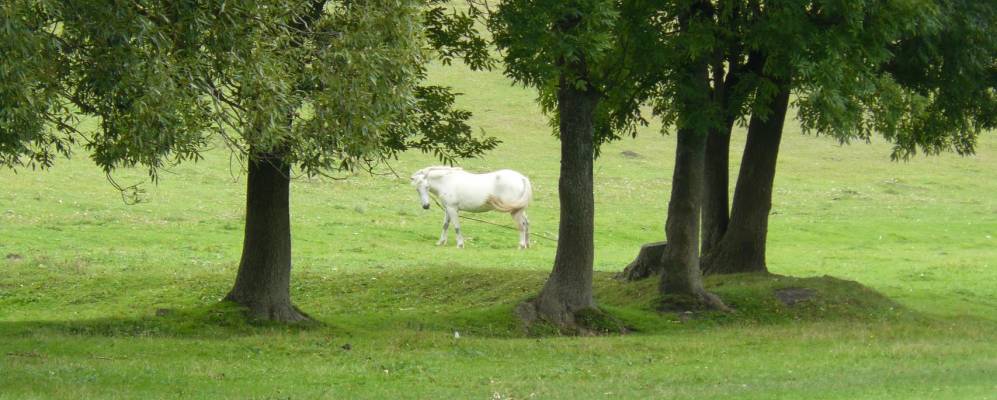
219	320
480	302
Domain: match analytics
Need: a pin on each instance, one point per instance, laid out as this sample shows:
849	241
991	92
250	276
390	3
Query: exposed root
701	301
584	322
281	312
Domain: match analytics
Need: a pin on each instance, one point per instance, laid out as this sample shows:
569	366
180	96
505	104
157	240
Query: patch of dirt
794	295
630	154
14	257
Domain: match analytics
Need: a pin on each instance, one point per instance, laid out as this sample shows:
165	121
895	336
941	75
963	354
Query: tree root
281	312
701	301
584	322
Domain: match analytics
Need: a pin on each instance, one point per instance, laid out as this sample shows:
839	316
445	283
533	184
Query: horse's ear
418	178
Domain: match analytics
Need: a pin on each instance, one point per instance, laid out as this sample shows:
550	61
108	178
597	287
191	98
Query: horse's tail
515	205
527	196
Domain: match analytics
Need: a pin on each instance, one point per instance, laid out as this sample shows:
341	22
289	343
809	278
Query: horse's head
427	180
421	182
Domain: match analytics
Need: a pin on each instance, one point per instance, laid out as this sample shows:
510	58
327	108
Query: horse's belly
472	197
478	209
475	205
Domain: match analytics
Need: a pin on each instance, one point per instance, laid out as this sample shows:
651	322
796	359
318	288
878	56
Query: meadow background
106	300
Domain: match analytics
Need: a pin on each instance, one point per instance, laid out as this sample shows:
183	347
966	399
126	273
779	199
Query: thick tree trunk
681	281
742	248
569	288
716	198
263	282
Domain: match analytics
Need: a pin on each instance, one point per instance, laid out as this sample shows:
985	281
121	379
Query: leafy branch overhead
922	74
454	33
333	84
445	132
547	42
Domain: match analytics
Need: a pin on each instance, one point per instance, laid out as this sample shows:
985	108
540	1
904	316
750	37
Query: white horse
504	190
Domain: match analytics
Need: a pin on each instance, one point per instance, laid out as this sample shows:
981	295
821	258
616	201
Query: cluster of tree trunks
734	235
741	246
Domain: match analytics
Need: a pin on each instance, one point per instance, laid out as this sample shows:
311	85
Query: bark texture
716	197
716	193
263	282
568	290
681	280
742	248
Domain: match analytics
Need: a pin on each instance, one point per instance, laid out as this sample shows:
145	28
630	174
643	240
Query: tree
319	85
920	74
561	48
712	63
666	45
856	70
689	94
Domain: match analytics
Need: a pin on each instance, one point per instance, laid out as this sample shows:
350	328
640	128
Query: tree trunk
263	282
716	206
681	280
742	248
647	263
569	288
716	201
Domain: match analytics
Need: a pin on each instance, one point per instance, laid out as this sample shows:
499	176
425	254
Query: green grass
99	299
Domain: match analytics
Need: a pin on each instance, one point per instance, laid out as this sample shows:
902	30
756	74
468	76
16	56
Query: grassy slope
85	275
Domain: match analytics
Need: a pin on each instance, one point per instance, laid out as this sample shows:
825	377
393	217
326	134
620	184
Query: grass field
99	299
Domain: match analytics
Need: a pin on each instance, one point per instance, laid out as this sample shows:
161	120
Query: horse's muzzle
425	206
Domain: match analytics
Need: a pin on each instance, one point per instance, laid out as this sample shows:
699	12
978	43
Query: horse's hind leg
446	227
524	228
455	217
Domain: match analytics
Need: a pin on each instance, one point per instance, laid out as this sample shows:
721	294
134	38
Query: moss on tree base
702	301
584	322
282	313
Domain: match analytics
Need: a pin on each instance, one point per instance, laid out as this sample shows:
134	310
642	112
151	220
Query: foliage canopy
332	85
921	73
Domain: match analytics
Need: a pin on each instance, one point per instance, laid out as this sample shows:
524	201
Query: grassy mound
477	302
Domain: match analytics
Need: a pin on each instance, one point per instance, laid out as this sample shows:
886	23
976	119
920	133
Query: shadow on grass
480	302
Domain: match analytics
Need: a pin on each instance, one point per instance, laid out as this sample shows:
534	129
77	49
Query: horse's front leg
446	227
455	217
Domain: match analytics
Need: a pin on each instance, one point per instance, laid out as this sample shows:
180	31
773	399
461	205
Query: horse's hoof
460	245
441	243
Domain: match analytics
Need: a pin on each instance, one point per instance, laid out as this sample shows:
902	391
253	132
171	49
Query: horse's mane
437	170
